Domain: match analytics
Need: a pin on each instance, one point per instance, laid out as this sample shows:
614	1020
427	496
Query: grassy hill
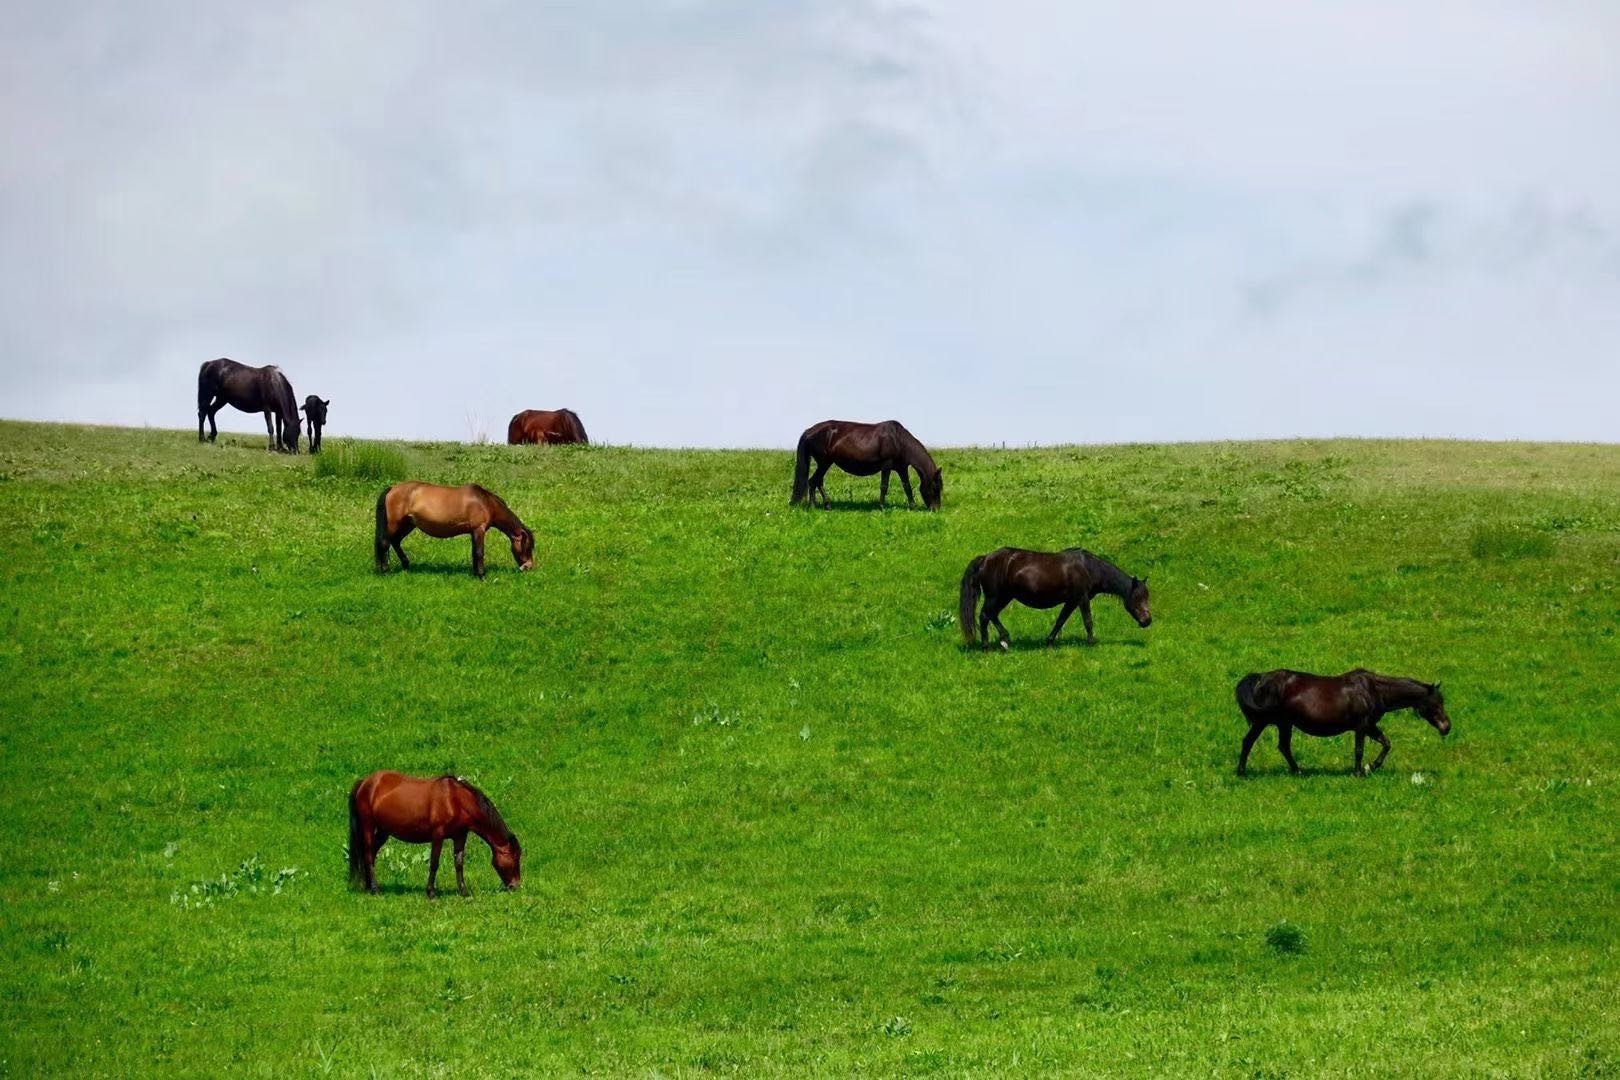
775	818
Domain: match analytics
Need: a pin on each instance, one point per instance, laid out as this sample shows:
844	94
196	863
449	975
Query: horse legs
1285	745
1382	740
213	428
905	482
433	869
1057	627
1085	615
992	612
478	552
816	484
1361	742
883	488
1248	744
405	529
461	864
270	420
374	844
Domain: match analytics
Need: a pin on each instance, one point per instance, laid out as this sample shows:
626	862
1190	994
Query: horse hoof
1003	645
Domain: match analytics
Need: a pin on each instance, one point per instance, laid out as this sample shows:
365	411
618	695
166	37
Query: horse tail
579	426
289	412
205	384
357	855
382	529
1250	691
801	470
970	596
514	431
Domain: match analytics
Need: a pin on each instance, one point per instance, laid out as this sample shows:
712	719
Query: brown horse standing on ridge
541	426
420	811
224	382
861	450
1328	705
444	512
1041	579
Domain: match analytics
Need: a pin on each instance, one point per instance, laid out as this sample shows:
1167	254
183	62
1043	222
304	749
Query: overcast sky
714	222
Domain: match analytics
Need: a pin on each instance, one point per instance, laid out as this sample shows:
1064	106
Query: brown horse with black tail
1042	579
1328	705
861	450
542	426
420	811
224	382
445	512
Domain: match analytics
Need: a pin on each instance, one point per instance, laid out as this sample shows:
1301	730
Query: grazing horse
421	811
1041	579
1328	705
861	450
252	389
447	511
314	410
541	426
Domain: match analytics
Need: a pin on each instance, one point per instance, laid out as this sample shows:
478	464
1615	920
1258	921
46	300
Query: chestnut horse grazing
1328	705
447	511
252	389
541	426
1041	579
314	410
390	804
861	450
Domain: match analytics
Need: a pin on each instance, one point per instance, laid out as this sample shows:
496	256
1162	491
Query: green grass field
775	818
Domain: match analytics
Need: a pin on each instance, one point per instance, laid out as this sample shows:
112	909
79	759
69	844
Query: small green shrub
1509	542
1286	938
352	460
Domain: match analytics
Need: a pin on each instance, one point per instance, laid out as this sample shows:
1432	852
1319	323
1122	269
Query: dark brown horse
541	426
444	512
314	410
1328	705
1042	579
419	811
861	450
252	389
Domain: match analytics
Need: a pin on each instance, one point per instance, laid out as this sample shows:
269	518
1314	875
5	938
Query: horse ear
328	401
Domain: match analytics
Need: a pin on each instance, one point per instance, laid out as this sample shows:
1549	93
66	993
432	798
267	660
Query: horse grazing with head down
861	450
444	512
541	426
420	811
314	410
224	382
1328	705
1041	579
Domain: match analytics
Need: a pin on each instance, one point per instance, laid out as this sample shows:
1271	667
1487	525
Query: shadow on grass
1019	645
463	569
862	507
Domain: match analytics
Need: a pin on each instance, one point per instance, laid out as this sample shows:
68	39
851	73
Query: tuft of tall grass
351	460
1509	542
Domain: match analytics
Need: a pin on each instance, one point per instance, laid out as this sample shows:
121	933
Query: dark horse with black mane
1045	579
861	450
543	426
1328	705
421	811
314	410
252	389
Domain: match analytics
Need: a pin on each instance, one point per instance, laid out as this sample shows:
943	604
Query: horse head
1136	602
1433	709
523	548
933	486
507	860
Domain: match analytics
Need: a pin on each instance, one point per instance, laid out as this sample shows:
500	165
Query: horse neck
1395	692
1107	577
489	826
916	454
502	518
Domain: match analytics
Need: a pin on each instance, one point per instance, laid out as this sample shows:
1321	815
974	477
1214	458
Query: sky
716	222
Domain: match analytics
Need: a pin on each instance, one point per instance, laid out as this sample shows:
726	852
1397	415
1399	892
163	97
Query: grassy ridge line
777	819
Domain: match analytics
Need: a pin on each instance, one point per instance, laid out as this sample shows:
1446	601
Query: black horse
1327	705
252	389
861	450
1042	579
314	410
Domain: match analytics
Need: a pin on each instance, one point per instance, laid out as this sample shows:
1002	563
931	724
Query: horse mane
485	807
1110	576
911	443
